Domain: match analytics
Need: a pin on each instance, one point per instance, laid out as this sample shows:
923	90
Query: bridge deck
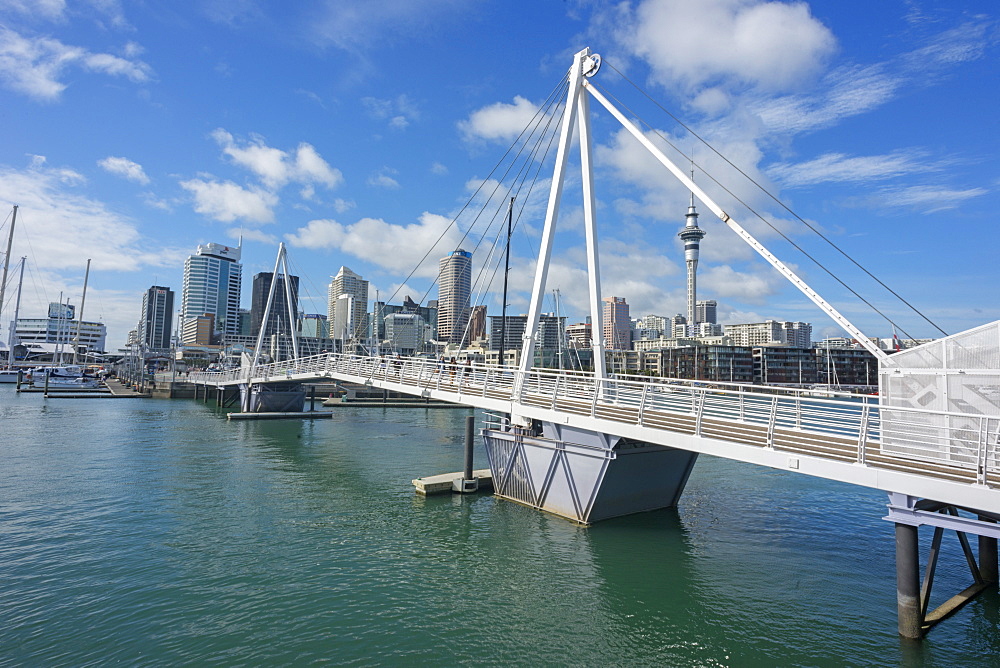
950	457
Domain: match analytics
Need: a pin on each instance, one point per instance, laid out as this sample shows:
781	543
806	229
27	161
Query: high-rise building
477	323
347	306
156	322
691	235
705	311
314	325
454	294
617	324
771	332
212	283
277	316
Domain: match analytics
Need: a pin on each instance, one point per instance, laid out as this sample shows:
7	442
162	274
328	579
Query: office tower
691	235
347	306
315	325
705	311
277	316
617	324
157	318
477	323
454	293
212	282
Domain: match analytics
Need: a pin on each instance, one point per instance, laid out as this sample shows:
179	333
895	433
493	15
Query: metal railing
838	428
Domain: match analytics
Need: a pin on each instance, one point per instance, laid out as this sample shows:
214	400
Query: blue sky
355	132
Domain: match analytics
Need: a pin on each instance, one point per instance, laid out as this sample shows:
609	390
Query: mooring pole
47	374
312	398
908	582
470	435
988	566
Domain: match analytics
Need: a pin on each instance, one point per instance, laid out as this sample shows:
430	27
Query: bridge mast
577	107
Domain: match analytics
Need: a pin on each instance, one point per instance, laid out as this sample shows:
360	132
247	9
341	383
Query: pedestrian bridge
951	457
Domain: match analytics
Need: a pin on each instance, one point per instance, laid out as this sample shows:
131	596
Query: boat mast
6	258
13	323
79	316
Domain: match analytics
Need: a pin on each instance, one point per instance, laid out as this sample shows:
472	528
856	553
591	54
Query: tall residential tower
157	318
348	306
212	281
454	295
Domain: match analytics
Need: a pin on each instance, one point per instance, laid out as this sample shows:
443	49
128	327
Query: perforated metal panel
958	375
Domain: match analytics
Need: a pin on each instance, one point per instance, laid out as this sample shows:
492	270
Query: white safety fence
849	428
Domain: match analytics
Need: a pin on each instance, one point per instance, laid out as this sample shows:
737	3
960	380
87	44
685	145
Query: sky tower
691	235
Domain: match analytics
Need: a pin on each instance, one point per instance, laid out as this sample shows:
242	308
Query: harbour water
152	532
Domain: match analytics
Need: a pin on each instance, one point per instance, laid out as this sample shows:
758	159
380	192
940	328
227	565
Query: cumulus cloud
499	121
125	168
390	246
226	201
35	66
73	226
772	45
275	167
383	179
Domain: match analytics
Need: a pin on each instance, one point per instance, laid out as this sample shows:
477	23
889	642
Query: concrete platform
392	403
280	416
441	484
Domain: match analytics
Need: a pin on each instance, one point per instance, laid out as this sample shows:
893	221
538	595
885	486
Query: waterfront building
578	336
477	323
381	310
782	365
657	323
454	294
406	333
277	316
550	335
199	330
315	325
771	332
678	327
706	310
48	335
211	287
244	316
156	322
617	325
347	306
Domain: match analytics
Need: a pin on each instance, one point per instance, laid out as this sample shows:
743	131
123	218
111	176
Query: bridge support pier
273	398
913	596
584	476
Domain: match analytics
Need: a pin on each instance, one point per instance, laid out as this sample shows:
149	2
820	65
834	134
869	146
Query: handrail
858	423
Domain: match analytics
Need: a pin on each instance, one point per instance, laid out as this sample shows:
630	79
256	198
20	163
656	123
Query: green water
154	532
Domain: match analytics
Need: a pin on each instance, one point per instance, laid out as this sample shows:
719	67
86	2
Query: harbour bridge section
590	446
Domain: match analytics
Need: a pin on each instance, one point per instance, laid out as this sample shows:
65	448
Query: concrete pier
443	483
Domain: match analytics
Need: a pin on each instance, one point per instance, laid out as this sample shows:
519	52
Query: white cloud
357	25
51	10
275	167
226	201
125	168
772	45
724	282
252	235
926	199
393	247
72	226
839	167
382	179
499	121
35	65
398	112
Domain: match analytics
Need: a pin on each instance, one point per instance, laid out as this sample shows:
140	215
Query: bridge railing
850	428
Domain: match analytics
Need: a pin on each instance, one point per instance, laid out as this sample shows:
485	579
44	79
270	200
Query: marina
155	531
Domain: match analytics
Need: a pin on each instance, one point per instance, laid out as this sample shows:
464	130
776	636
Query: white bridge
589	446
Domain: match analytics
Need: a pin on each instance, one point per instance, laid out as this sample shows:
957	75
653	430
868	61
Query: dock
280	416
444	482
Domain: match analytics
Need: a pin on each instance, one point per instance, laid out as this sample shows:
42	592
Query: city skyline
122	148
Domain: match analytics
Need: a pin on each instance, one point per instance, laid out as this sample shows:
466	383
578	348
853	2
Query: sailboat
9	374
